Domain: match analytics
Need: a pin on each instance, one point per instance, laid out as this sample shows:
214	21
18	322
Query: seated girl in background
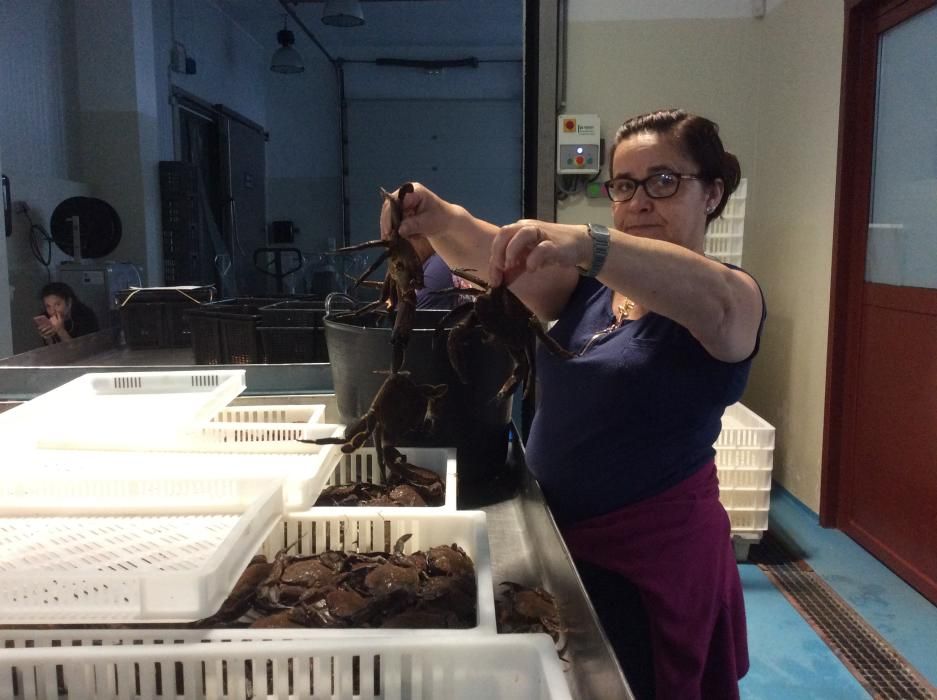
65	316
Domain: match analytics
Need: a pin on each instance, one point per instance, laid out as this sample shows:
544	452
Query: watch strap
600	238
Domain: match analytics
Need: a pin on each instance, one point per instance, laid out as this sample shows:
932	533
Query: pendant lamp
286	59
343	13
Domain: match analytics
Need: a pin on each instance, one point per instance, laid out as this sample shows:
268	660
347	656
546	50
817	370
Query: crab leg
547	340
376	264
403	324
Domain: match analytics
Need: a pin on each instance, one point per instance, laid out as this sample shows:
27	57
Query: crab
503	318
526	609
399	407
404	277
243	595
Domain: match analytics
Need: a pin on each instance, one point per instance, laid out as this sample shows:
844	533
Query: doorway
880	447
228	152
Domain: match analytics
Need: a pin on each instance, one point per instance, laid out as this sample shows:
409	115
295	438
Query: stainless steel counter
29	374
526	546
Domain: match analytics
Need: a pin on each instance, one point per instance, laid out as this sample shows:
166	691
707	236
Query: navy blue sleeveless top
633	415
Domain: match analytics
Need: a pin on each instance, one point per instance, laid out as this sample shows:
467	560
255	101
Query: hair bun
731	172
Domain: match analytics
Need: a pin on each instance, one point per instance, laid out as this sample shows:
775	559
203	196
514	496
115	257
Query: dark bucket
470	417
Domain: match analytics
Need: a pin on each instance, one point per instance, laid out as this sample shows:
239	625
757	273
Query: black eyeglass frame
641	183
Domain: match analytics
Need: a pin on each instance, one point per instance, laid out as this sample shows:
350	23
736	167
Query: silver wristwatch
600	237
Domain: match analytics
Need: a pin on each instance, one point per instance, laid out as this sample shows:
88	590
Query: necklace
624	309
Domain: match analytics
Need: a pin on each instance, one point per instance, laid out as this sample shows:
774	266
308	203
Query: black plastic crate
304	312
143	326
287	344
169	295
240	341
155	325
155	317
205	336
226	337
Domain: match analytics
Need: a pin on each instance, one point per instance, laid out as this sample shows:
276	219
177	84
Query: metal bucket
470	419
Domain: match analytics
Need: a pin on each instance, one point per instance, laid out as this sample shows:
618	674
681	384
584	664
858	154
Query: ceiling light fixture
343	13
286	59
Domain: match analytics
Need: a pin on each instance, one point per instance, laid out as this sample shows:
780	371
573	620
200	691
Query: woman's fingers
420	212
527	245
510	250
386	224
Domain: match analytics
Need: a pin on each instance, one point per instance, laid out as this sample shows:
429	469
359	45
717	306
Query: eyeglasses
657	186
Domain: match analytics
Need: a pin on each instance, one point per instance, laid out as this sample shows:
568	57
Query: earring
710	209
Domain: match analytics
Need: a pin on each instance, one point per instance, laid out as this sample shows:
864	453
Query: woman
436	276
665	338
66	316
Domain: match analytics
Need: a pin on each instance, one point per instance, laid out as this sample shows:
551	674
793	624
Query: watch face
598	231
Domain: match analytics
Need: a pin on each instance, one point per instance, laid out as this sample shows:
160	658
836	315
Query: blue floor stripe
906	619
788	659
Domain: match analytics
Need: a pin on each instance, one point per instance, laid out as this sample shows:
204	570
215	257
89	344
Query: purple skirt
676	548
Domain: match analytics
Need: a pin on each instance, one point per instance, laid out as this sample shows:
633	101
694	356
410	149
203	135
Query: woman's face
679	219
56	305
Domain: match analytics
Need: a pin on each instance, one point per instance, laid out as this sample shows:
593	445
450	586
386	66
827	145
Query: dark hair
698	138
59	289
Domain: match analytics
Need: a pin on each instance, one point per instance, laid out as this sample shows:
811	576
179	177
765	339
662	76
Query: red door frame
864	20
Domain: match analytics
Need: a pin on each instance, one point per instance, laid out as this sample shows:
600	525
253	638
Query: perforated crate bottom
127	568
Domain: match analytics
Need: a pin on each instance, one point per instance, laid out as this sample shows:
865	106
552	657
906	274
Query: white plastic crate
349	529
742	427
745	457
272	413
123	410
361	466
245	438
113	569
378	529
724	235
744	478
723	244
450	667
745	499
748	521
84	482
744	461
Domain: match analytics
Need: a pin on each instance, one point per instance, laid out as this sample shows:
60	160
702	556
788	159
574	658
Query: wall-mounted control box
578	143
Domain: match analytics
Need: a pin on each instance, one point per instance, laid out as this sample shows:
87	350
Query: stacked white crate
98	525
724	235
744	460
496	667
160	442
243	432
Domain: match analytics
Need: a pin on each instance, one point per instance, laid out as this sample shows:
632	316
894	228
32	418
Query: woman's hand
530	245
424	214
45	329
56	324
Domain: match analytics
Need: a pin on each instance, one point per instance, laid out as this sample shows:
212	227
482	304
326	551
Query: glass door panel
902	242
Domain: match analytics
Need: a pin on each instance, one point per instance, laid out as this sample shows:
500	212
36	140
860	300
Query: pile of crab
405	485
432	589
